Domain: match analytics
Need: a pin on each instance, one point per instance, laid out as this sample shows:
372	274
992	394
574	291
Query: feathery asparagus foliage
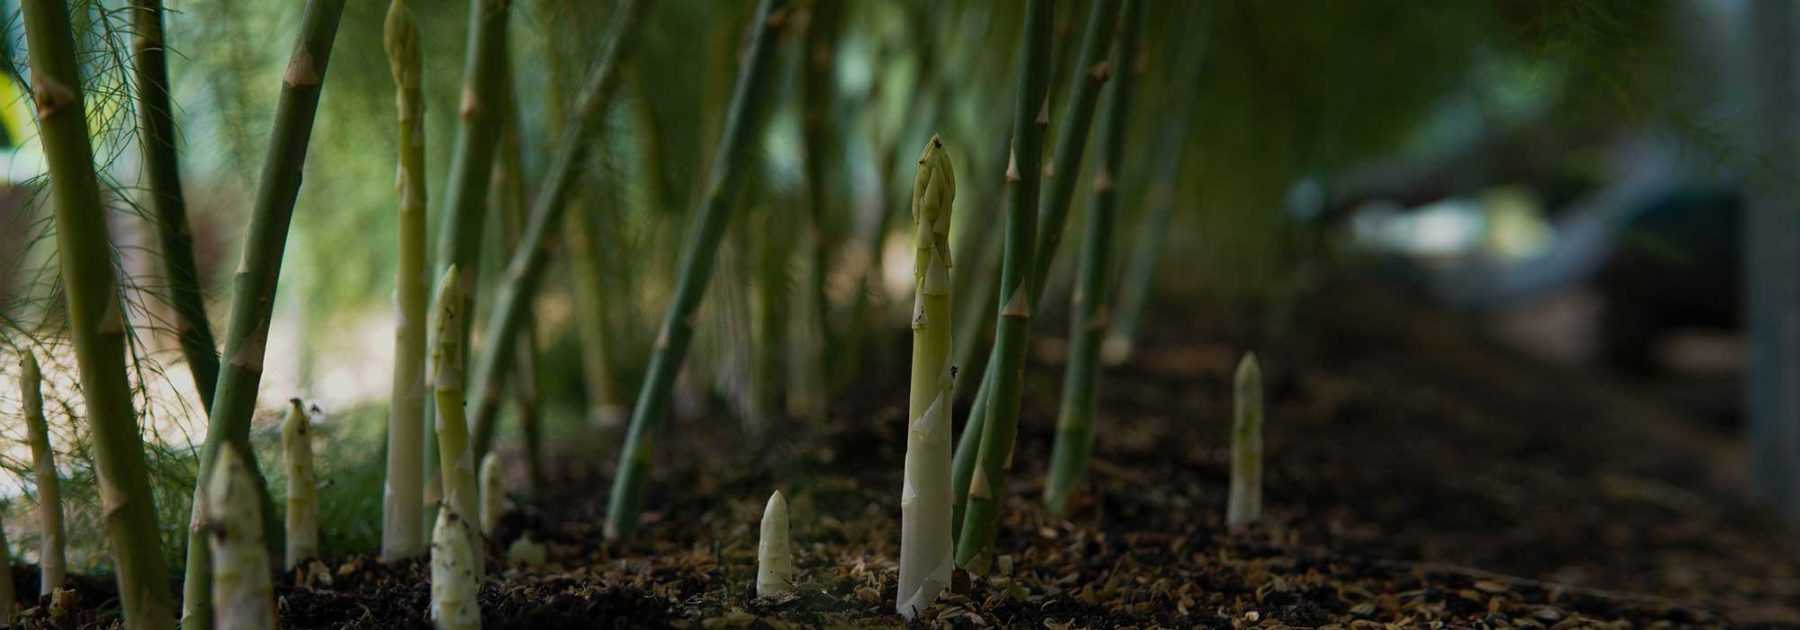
162	167
402	534
447	387
96	319
1245	503
724	179
987	484
1071	141
774	550
525	268
243	596
1088	307
455	574
477	135
926	553
52	562
253	296
302	486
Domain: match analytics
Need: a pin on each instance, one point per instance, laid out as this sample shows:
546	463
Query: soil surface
1416	476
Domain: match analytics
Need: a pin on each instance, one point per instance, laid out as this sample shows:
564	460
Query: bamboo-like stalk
302	486
156	136
525	268
455	574
724	179
987	485
466	196
1088	308
774	550
447	388
52	563
1245	503
96	319
243	595
1071	141
253	296
402	525
926	555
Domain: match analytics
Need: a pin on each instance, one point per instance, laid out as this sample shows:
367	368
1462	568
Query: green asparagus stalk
96	319
724	179
52	562
302	487
466	202
243	596
402	527
1088	309
493	497
1245	506
987	485
1071	141
525	268
455	574
447	387
253	296
925	497
156	128
774	550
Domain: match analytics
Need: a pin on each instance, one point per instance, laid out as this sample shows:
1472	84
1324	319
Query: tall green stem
402	526
96	319
447	388
1031	114
51	559
156	129
523	271
466	199
724	180
925	497
1071	141
818	60
253	297
1087	322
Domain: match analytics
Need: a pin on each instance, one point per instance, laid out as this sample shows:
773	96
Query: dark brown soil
1417	477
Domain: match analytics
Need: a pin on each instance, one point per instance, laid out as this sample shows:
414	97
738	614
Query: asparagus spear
1245	506
925	497
52	564
243	595
302	487
402	534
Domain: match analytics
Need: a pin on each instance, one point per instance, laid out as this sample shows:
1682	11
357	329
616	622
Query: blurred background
1606	185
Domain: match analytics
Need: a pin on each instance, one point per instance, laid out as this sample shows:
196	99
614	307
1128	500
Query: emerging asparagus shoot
51	561
454	571
774	554
493	500
458	466
402	525
925	497
1245	506
302	487
243	596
